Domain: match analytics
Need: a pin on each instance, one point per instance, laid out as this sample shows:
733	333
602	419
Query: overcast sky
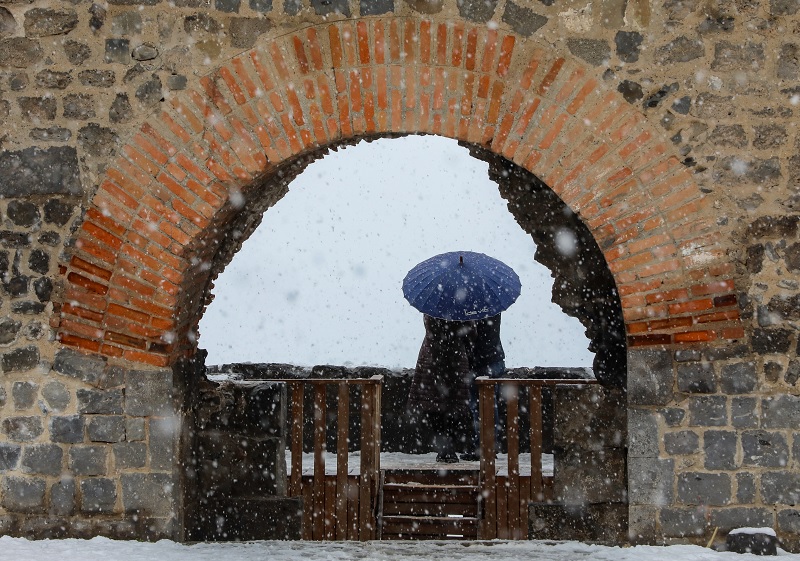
319	282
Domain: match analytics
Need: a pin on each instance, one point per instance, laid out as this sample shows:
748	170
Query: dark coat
483	344
442	376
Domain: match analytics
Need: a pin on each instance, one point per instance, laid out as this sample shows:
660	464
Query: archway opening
320	277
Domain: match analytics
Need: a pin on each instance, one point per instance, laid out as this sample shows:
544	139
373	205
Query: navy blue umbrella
461	286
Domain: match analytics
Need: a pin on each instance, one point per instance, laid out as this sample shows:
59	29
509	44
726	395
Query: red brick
78	342
649	340
489	49
233	86
733	333
315	48
410	39
506	52
729	315
146	358
240	66
380	42
716	287
425	41
725	301
259	63
694	337
691	306
300	53
550	77
472	46
458	44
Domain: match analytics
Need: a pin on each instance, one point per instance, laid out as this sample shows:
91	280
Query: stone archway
172	208
141	269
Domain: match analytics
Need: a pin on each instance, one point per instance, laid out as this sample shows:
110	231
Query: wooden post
342	449
511	393
366	524
318	484
296	476
488	480
535	409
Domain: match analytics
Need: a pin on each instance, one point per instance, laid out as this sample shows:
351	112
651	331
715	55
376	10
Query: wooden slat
308	511
437	477
318	500
429	509
511	393
296	475
420	525
488	484
367	460
535	411
502	508
329	520
342	446
352	507
524	493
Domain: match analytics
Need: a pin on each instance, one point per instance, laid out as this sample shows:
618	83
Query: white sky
319	282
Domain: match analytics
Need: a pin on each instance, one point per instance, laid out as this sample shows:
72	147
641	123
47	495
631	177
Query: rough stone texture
704	488
764	449
88	460
106	428
101	402
147	494
523	20
708	411
780	487
40	171
42	459
23	494
681	443
738	378
649	377
719	448
98	495
697	378
67	429
650	481
595	52
148	393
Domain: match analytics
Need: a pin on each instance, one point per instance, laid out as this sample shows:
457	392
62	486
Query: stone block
106	428
20	52
738	378
134	429
696	488
56	395
780	412
245	31
53	79
780	487
9	456
375	7
325	7
82	367
266	6
673	416
230	6
764	449
696	378
62	497
163	443
522	20
67	429
743	412
594	523
745	488
265	518
641	524
42	22
583	476
681	49
719	449
682	522
23	494
789	520
148	393
127	23
118	50
681	443
596	52
771	341
128	455
77	52
148	494
22	429
643	437
42	459
88	460
590	415
650	481
98	495
20	360
650	377
79	106
24	394
37	171
708	411
754	543
120	110
727	519
100	402
240	466
58	212
739	56
98	141
9	328
37	109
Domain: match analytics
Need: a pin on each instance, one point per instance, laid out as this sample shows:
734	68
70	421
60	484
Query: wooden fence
344	508
505	499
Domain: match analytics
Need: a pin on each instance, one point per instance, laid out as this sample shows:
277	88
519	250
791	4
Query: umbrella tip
460	259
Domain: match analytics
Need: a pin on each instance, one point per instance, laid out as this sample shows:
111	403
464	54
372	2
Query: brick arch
138	276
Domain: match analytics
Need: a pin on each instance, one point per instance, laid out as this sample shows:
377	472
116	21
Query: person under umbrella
439	398
461	295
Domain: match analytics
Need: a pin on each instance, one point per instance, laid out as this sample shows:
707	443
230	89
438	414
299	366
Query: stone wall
667	128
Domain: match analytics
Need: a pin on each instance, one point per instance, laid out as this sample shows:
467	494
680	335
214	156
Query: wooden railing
332	510
515	523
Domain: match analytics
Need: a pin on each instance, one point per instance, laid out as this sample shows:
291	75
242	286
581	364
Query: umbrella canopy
461	286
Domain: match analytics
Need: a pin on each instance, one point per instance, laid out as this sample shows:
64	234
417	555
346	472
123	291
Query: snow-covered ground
102	549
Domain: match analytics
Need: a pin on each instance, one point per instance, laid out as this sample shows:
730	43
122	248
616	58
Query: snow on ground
102	549
399	460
